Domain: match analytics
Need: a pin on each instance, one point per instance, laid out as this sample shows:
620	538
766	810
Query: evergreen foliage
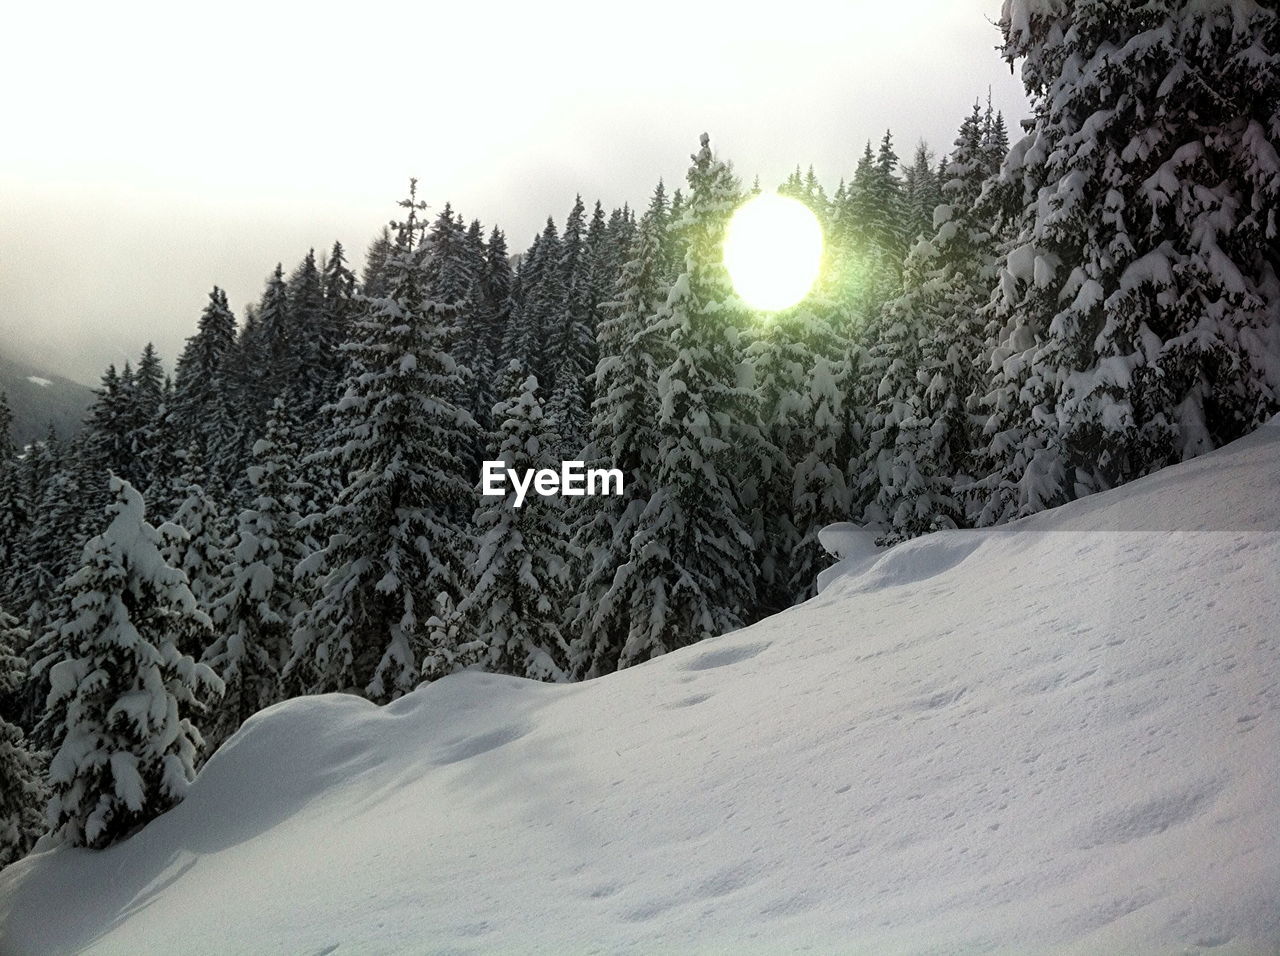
521	567
123	699
397	535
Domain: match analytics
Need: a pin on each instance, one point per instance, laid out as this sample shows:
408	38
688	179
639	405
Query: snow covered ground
1063	735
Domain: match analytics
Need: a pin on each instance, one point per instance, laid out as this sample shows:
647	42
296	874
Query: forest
293	506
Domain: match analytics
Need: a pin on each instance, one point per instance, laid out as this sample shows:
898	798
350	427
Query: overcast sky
153	150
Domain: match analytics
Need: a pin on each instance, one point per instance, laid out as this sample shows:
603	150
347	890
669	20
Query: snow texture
1060	735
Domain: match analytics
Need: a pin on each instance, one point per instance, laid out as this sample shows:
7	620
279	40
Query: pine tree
396	534
203	409
499	293
521	567
995	139
14	504
623	437
140	410
922	193
926	360
1138	303
308	381
541	305
122	701
193	542
338	286
802	364
254	612
280	353
54	535
693	551
21	789
373	282
105	445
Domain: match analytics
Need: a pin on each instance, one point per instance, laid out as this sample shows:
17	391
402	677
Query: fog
151	151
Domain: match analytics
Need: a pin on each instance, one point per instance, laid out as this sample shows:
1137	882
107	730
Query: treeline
296	511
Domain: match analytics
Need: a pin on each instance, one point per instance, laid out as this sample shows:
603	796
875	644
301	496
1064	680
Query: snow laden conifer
520	571
867	234
194	541
203	410
1138	309
693	551
253	615
623	437
541	305
802	362
926	361
394	560
21	788
572	337
124	700
14	506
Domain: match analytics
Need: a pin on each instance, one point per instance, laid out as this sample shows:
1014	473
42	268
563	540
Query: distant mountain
39	398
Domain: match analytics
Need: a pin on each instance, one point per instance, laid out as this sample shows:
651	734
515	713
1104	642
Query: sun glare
773	251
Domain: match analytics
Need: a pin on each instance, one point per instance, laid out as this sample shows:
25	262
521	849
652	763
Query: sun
773	251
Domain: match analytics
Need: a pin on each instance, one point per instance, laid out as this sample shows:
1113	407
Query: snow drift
1061	735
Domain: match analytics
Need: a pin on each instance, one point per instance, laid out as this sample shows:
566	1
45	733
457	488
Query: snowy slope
1063	736
39	399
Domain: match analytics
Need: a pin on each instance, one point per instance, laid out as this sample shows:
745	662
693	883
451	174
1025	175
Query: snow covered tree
13	500
338	285
193	542
123	699
802	363
693	551
867	234
309	374
21	789
373	278
521	567
277	358
203	408
253	615
397	535
925	361
1138	313
922	193
499	292
623	437
541	304
572	337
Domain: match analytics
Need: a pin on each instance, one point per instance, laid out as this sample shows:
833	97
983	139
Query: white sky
148	151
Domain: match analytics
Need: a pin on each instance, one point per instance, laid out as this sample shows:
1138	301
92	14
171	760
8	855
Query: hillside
1062	735
39	399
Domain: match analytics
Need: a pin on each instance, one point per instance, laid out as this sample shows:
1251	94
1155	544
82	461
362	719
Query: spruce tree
521	567
802	364
622	436
373	282
13	501
922	193
253	614
203	408
396	536
308	374
21	788
926	363
1137	310
693	550
279	354
193	542
123	699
